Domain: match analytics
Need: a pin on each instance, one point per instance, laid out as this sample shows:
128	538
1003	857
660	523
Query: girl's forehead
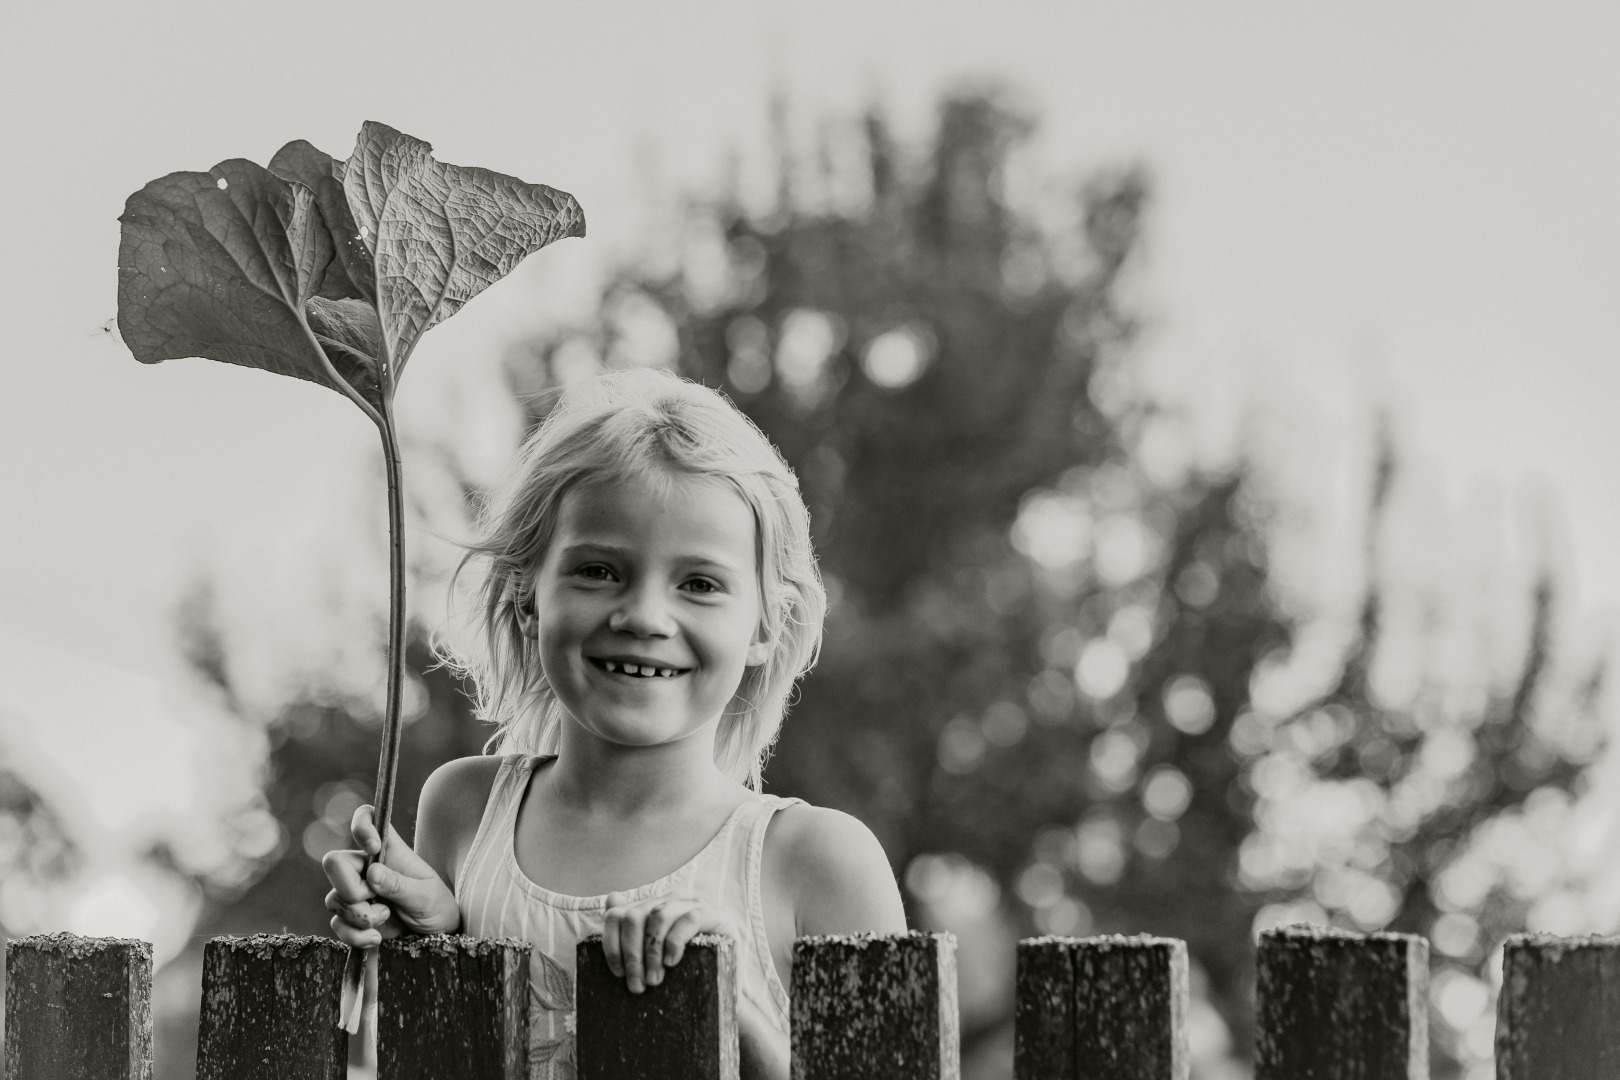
668	508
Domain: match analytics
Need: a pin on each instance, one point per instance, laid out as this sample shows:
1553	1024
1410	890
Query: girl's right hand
415	897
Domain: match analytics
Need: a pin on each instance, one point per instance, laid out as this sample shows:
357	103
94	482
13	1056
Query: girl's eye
594	572
703	586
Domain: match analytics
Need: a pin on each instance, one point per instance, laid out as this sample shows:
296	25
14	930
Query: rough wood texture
270	1009
452	1006
1113	1007
685	1028
78	1008
1559	1014
1130	1008
1043	1020
1339	1006
875	1006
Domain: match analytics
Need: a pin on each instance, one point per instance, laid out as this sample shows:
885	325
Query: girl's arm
823	872
449	811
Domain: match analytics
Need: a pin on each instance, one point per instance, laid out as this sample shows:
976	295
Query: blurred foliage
35	848
1045	659
1041	653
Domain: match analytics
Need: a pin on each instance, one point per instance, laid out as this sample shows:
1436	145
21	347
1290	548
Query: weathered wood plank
452	1006
685	1028
270	1007
1558	1017
1111	1006
78	1008
1043	1018
1130	1008
875	1006
1340	1006
1044	1009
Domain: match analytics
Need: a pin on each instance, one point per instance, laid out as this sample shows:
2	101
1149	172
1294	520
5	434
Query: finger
697	920
354	938
343	869
363	916
388	882
659	921
364	830
632	924
610	934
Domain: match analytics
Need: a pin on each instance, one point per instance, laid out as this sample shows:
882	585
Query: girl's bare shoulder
460	787
832	871
450	808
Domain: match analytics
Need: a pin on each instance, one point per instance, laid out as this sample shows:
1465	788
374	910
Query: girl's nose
642	612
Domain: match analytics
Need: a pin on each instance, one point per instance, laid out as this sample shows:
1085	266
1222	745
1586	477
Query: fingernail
654	977
635	986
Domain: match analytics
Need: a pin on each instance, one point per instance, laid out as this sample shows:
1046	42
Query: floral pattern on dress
551	991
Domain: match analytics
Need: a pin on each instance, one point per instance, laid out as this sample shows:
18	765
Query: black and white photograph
950	541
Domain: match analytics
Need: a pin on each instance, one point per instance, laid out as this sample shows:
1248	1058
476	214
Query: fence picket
685	1028
1103	1006
1558	1017
270	1009
875	1005
450	1005
1043	1018
78	1008
1340	1006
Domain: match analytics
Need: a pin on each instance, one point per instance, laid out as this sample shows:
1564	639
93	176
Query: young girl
651	597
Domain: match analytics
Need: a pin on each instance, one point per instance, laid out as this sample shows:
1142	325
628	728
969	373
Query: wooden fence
1331	1006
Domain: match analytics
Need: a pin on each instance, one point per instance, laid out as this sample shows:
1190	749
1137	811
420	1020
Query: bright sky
1369	202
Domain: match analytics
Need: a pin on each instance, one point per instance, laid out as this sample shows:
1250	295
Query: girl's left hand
640	938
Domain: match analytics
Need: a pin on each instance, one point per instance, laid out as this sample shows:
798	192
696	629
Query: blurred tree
1040	640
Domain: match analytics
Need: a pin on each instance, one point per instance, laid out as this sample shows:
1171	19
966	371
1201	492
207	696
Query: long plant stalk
388	756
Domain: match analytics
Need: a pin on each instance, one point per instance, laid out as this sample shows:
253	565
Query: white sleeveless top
497	899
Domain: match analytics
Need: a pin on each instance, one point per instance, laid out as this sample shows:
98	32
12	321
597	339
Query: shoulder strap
753	890
498	809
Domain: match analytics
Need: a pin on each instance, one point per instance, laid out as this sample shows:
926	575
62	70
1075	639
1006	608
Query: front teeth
642	670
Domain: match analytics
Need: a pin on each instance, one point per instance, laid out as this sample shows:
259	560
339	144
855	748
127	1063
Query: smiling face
647	607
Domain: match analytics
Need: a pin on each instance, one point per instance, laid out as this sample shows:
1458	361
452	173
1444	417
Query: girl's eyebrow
598	547
707	563
586	547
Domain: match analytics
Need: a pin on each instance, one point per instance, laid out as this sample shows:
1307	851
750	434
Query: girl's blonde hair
647	424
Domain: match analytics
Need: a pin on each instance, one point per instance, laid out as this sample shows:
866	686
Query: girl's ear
759	650
528	622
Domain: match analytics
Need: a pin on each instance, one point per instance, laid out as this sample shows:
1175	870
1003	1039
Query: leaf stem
338	381
388	755
388	759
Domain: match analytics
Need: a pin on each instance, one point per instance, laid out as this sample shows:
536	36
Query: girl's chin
622	728
641	740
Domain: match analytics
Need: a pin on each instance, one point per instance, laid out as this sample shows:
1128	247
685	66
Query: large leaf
220	265
440	234
350	274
